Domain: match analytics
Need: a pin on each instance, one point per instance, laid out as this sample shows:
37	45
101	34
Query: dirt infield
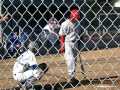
102	68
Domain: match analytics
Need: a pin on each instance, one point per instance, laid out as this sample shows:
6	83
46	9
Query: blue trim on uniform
33	66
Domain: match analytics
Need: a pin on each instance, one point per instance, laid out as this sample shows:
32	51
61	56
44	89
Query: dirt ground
102	70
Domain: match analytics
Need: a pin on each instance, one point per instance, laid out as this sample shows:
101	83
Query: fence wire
23	21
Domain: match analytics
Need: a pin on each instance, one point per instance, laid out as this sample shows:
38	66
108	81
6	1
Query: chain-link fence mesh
39	21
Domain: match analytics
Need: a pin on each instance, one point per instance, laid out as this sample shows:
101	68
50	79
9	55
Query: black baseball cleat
43	67
19	85
74	81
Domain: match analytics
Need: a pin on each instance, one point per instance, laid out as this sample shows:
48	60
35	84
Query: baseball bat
82	66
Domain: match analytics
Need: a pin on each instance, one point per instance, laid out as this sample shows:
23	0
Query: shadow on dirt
77	83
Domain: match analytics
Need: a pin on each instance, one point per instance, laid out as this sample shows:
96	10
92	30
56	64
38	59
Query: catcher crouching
26	70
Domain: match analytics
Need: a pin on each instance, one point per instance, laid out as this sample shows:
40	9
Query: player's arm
27	66
33	62
62	38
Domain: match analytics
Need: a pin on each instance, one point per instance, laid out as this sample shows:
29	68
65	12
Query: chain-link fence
40	21
28	19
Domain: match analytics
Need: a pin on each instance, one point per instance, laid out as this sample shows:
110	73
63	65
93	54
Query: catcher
26	70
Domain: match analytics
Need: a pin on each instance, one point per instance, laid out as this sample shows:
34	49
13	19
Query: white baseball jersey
26	58
51	35
68	29
47	27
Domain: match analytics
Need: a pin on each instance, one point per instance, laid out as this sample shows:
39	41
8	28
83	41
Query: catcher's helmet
21	50
53	23
33	46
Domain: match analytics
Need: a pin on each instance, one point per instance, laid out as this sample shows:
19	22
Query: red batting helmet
74	14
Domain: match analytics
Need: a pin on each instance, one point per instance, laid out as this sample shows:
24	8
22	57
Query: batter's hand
62	40
62	50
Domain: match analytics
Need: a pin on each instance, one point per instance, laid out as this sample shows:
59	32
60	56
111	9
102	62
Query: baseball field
102	71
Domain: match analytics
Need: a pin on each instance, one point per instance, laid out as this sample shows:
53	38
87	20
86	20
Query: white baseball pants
71	56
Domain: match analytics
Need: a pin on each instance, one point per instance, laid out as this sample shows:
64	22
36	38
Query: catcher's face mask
53	23
33	46
21	50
